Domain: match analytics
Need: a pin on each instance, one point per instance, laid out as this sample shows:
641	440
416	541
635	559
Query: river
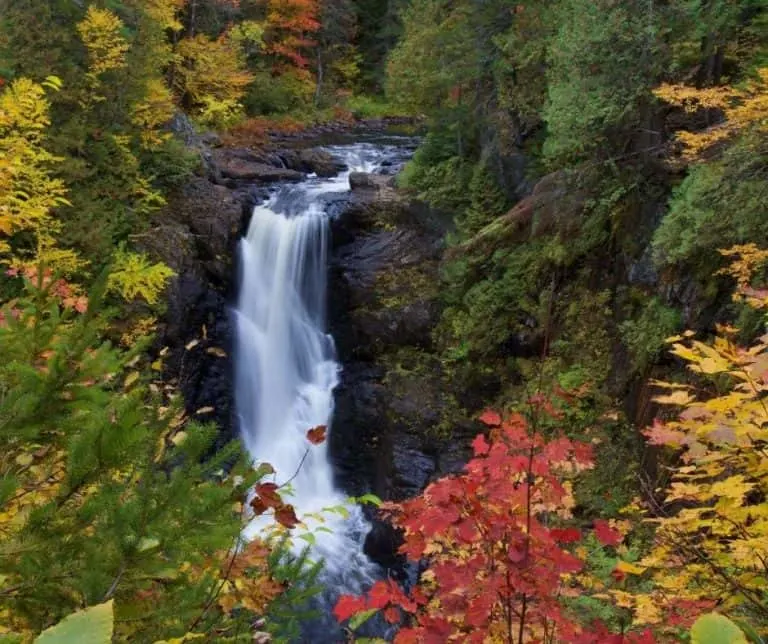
286	367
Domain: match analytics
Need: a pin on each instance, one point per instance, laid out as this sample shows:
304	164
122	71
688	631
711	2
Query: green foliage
593	99
288	93
107	511
435	54
644	335
94	625
718	204
365	106
291	608
443	185
716	629
486	201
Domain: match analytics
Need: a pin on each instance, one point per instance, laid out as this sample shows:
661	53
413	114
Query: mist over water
286	367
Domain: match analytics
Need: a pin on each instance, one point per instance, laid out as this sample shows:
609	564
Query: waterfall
286	366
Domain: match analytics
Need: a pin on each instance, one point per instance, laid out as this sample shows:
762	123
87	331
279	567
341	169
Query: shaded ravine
286	368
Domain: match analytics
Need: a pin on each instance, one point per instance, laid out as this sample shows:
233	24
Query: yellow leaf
191	344
178	438
24	459
632	569
205	410
675	398
647	610
734	487
131	378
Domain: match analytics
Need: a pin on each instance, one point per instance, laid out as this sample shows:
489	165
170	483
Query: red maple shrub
497	543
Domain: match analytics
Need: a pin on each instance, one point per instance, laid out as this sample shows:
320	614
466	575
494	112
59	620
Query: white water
286	362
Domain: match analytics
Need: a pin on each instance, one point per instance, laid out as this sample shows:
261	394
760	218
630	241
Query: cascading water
286	366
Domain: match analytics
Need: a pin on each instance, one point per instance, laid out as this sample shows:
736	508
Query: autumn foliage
289	28
498	544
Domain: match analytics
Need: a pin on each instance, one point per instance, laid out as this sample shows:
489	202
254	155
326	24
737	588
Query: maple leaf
606	534
661	434
258	505
565	535
347	606
490	418
379	595
269	495
317	434
480	445
285	515
392	615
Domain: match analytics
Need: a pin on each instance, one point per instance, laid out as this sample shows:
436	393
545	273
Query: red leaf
606	534
392	615
258	505
480	445
490	418
285	515
479	610
347	606
269	495
516	554
380	595
565	535
317	435
618	575
466	531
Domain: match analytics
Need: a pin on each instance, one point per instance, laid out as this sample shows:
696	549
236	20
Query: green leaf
264	469
309	538
338	509
361	618
369	498
716	629
93	625
148	543
749	630
52	82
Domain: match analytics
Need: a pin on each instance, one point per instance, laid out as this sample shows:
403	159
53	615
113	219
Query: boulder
235	167
311	160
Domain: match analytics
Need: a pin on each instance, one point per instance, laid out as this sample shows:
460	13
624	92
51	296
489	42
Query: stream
286	369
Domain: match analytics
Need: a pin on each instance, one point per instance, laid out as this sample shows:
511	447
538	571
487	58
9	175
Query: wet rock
196	235
235	167
382	543
311	160
378	183
240	170
394	396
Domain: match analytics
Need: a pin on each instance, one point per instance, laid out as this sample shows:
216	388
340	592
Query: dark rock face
393	395
196	236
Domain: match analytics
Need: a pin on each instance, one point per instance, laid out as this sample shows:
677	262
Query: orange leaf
317	435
